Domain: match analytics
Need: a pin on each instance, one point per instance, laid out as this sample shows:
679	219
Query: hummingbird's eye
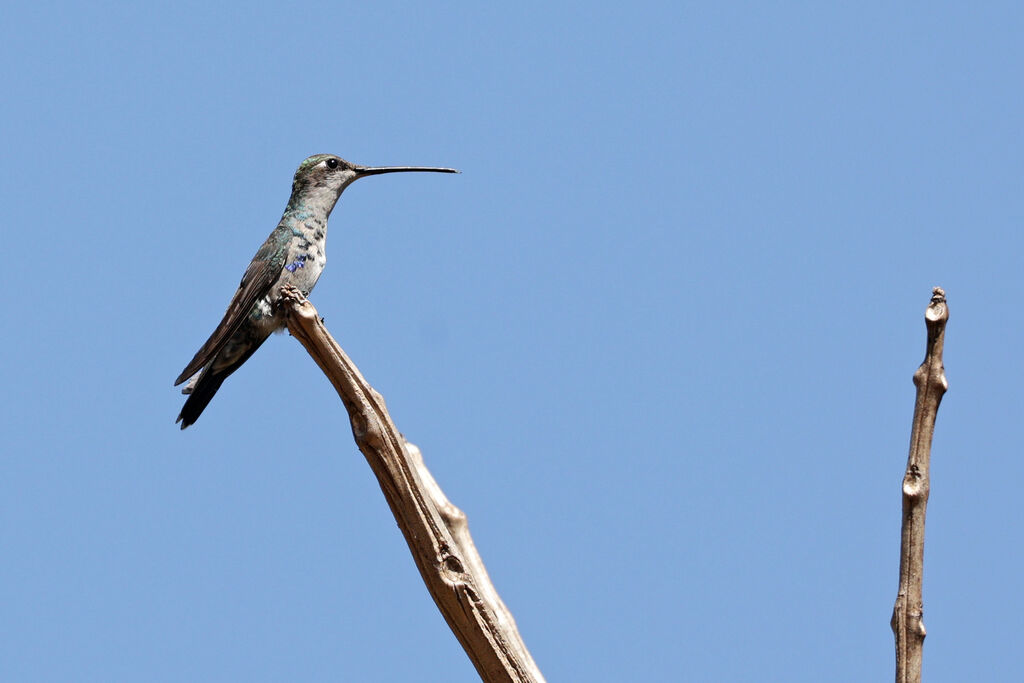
332	164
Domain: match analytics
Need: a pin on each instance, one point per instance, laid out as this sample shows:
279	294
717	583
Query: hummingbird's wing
256	283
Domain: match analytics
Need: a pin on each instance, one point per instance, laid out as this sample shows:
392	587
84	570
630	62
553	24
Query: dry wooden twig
907	614
436	530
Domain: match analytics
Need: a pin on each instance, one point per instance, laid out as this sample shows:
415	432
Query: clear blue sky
657	339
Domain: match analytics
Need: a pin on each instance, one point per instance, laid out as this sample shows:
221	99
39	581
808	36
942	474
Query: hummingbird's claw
291	294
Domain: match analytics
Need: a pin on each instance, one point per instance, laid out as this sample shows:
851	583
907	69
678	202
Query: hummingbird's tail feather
201	389
199	397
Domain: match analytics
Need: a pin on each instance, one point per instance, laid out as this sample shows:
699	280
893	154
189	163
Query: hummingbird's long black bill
377	170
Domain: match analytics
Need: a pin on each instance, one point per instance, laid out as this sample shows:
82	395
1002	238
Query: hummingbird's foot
290	294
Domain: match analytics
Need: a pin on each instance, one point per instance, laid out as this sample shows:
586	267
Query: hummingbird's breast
306	258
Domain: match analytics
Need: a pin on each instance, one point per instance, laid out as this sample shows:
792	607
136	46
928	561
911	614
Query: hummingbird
294	254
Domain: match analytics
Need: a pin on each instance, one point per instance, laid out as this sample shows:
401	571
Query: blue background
657	339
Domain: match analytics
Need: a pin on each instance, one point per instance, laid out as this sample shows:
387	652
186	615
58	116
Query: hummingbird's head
322	178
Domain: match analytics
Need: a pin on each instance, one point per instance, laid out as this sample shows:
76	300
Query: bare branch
907	614
436	531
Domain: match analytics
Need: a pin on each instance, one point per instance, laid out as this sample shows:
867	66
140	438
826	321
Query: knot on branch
368	430
453	564
914	484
